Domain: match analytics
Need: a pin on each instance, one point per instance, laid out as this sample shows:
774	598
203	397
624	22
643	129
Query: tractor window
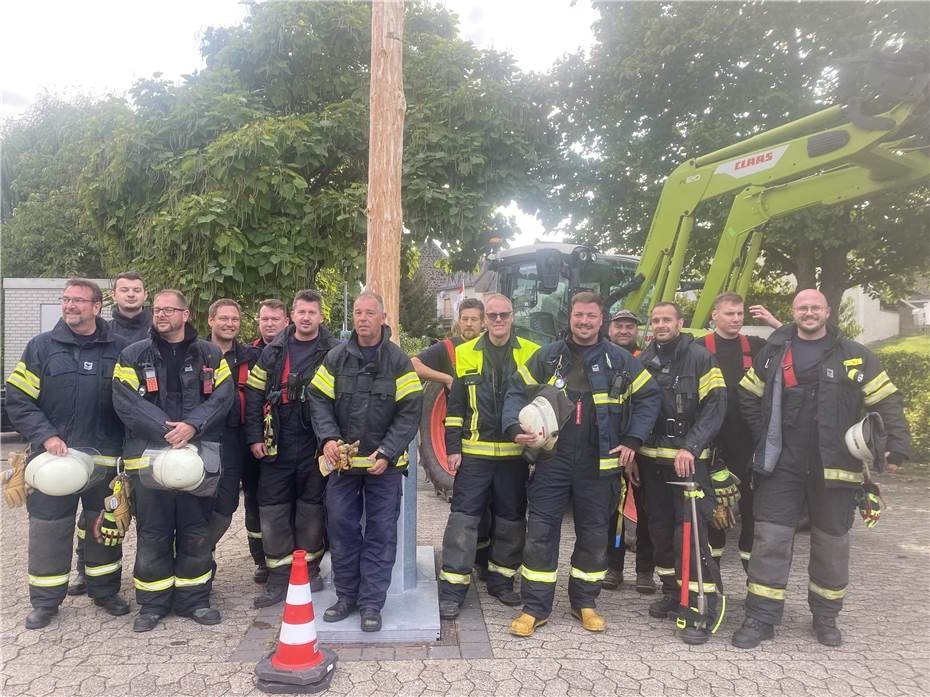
537	316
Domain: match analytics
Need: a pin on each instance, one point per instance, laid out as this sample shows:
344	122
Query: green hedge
908	364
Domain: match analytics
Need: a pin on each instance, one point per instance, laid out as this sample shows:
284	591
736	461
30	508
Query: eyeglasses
812	309
502	316
167	311
65	300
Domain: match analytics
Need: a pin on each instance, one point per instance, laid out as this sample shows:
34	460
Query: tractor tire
433	441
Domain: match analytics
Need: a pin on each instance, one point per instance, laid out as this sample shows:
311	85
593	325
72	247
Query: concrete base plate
407	617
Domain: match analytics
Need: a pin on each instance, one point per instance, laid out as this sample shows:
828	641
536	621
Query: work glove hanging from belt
870	502
14	485
105	530
119	503
726	491
346	452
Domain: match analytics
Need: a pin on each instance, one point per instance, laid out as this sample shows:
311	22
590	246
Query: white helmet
539	418
865	440
57	475
179	468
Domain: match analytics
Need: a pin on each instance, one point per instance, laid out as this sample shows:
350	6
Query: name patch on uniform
88	365
595	368
188	369
829	372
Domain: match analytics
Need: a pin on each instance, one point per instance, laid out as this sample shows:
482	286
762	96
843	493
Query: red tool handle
685	562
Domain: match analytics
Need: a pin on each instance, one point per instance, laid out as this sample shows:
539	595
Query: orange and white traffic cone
298	665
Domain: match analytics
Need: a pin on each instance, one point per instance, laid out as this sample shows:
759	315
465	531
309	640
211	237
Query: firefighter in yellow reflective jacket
170	390
488	465
694	402
614	403
806	387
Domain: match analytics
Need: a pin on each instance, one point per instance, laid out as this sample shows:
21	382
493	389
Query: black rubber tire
431	461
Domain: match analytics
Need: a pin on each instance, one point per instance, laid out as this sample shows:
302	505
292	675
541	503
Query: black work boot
145	622
261	574
612	580
205	615
370	619
752	633
449	609
645	582
338	611
272	595
79	587
827	632
664	607
113	605
508	596
40	617
694	636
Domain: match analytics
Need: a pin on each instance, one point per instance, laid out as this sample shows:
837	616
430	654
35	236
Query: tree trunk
833	280
385	155
805	265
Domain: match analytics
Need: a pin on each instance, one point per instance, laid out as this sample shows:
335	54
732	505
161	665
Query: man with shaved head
806	387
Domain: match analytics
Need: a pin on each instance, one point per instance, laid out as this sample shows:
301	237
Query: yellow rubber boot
525	625
590	620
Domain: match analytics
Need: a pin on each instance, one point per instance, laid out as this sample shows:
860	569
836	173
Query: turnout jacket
626	398
694	400
144	412
62	388
851	381
475	410
376	403
133	329
264	388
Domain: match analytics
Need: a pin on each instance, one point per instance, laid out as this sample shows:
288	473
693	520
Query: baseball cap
625	314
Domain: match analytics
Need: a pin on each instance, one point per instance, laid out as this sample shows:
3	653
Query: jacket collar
786	332
62	333
143	319
353	347
190	335
484	340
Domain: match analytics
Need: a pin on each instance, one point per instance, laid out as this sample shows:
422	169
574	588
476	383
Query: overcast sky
98	47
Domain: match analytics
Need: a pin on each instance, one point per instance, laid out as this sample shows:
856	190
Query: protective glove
14	486
105	530
870	502
119	503
723	517
346	452
726	487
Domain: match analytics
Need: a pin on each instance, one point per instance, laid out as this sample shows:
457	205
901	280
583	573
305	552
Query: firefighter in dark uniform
487	464
804	390
58	397
131	320
224	318
279	431
624	332
170	390
693	406
614	404
732	469
272	320
437	363
365	391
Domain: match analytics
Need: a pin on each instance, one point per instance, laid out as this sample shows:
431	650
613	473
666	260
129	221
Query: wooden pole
385	155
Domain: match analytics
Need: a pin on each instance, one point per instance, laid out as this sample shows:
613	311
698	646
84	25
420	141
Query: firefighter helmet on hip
60	475
179	468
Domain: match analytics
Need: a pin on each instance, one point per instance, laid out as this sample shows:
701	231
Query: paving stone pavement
886	650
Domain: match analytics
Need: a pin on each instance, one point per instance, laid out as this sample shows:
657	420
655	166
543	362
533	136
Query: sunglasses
502	316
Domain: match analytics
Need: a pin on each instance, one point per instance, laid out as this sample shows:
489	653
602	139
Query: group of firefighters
314	430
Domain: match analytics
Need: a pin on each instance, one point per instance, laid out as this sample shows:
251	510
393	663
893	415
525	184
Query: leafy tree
250	178
669	81
418	307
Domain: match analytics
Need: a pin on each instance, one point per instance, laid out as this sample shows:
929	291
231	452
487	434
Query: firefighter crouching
58	397
806	387
693	406
280	434
365	394
613	403
487	464
172	390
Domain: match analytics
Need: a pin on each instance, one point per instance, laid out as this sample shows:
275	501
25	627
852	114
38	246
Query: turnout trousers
566	478
51	531
253	525
616	532
290	499
668	508
362	560
174	561
741	466
779	503
478	480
